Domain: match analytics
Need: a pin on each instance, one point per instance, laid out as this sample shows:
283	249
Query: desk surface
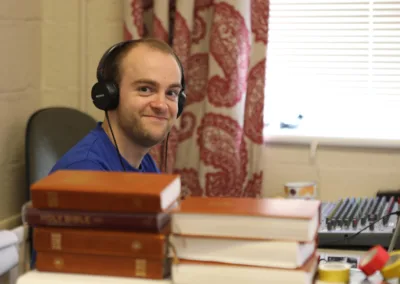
35	277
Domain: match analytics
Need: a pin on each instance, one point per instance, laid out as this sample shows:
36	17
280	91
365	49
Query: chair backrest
50	133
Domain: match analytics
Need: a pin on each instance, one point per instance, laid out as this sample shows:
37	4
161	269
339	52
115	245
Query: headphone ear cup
105	95
181	102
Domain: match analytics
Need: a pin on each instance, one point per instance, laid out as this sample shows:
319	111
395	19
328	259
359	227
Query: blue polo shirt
96	152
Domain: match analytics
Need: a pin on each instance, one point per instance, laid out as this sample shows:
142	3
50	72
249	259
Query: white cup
301	190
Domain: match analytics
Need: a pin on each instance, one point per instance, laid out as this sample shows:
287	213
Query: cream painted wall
19	96
50	57
339	171
49	54
75	34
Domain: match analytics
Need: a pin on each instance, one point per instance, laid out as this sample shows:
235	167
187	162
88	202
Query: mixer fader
345	217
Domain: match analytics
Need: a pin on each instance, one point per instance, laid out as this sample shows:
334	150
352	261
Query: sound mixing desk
343	219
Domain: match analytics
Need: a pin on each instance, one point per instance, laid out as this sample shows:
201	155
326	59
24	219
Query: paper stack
9	256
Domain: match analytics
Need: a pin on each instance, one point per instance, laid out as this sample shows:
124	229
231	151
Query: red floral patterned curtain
217	143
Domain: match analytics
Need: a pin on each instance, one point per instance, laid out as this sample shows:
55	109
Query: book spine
94	242
151	222
102	265
95	201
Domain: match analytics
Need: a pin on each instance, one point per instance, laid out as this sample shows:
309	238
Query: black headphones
105	93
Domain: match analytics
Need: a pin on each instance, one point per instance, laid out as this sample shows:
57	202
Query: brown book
88	190
264	218
140	222
97	242
103	265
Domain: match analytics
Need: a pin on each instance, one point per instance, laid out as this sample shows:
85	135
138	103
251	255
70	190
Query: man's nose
160	101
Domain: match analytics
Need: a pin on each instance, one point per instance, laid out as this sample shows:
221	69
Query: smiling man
140	88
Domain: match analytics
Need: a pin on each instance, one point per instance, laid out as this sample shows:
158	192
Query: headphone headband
106	55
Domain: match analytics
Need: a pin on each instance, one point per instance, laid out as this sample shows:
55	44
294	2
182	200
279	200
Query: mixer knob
329	225
372	218
354	223
363	220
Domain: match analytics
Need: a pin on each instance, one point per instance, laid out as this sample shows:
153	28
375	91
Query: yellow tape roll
334	272
392	266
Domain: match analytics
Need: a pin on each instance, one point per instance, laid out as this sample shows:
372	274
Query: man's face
149	88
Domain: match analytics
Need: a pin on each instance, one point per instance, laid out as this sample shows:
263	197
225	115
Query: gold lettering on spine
141	268
84	220
58	262
68	219
136	245
51	219
56	241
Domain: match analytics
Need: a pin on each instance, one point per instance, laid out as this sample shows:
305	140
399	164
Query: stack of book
245	240
103	223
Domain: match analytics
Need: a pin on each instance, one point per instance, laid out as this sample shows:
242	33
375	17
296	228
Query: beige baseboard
11	222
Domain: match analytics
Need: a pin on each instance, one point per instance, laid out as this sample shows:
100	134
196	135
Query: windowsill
296	136
369	121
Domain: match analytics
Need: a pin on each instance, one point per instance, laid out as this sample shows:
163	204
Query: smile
156	117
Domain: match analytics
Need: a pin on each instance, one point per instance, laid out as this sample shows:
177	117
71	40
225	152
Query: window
333	70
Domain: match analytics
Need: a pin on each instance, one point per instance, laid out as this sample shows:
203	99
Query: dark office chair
50	133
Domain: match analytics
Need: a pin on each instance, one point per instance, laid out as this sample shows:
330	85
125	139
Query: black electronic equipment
342	223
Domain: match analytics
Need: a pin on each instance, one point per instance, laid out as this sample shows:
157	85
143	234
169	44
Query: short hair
113	65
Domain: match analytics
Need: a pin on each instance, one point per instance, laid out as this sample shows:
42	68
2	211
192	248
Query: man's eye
144	89
173	93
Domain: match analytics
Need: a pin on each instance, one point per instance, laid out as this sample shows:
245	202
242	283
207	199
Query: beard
143	134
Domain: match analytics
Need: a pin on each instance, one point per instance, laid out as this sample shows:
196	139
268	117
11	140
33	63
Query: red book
127	192
101	242
140	222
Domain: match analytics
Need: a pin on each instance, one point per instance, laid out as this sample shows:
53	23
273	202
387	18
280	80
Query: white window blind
337	63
